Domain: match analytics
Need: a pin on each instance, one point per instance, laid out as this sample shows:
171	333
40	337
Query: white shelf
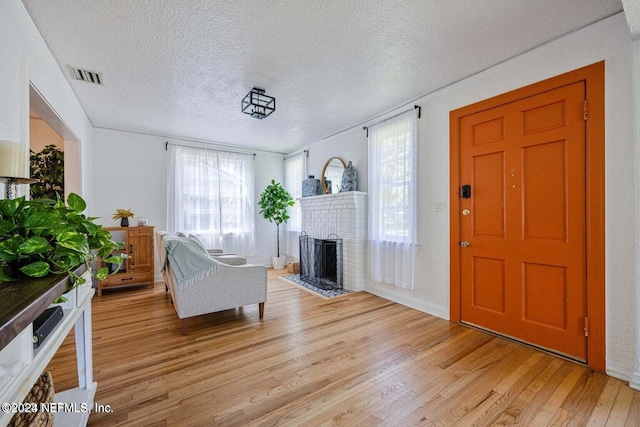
19	387
75	397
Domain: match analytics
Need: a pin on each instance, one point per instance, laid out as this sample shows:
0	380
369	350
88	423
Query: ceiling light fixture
257	104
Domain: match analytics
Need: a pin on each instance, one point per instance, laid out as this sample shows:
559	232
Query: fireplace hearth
345	215
321	262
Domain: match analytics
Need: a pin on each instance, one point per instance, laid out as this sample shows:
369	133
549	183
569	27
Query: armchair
200	284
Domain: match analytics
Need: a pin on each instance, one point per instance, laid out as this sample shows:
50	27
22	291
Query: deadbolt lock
466	212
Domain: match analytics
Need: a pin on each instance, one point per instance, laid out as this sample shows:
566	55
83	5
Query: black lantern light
257	104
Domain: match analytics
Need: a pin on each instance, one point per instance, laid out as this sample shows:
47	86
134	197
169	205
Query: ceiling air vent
85	75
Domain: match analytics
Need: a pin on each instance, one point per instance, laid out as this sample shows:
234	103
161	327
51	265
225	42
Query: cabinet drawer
140	231
125	279
140	269
15	357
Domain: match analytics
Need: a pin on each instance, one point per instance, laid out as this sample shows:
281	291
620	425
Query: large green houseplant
47	167
43	236
274	202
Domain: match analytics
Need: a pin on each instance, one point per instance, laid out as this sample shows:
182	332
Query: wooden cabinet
138	268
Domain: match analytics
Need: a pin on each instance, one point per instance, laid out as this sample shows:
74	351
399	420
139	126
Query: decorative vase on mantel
124	222
311	186
350	178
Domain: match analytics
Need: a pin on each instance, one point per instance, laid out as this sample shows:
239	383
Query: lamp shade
13	160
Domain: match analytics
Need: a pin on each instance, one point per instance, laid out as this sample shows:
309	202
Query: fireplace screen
321	262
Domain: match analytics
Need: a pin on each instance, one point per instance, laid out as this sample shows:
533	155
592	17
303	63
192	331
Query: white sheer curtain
210	195
392	200
295	169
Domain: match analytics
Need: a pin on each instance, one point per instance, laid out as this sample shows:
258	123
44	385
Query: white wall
41	135
130	172
25	57
350	146
635	380
607	40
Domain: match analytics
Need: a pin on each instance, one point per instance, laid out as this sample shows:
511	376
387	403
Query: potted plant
43	236
47	167
274	202
123	215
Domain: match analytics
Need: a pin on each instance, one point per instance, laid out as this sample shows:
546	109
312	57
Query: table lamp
14	168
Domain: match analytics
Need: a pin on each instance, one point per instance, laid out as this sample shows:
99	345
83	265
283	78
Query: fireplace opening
321	262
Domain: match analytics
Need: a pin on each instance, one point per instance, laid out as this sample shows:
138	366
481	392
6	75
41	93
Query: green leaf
11	246
4	277
77	281
9	207
40	221
36	269
113	260
35	245
60	300
89	226
102	273
76	202
6	227
74	241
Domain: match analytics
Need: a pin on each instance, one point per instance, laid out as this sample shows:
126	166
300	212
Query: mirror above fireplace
332	175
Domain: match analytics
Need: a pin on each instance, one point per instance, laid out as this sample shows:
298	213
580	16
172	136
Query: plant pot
124	222
278	262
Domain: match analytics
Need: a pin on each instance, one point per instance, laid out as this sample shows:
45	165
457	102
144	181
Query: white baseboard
434	310
618	371
635	381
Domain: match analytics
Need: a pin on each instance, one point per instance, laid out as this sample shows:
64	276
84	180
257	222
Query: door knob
464	244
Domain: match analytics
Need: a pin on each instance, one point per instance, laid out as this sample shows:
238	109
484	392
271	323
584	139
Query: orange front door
523	271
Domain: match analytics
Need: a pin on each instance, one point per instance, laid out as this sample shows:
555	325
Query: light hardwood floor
353	360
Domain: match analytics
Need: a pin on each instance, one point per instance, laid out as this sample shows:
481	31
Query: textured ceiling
181	67
632	13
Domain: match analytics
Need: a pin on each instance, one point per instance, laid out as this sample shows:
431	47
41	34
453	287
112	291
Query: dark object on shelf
124	222
45	323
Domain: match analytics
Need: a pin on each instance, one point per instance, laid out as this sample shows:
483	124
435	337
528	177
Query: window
210	195
392	200
294	174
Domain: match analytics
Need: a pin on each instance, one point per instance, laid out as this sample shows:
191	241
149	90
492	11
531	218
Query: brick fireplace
345	215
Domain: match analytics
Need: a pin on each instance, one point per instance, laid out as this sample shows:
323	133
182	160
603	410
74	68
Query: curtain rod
305	152
415	107
167	143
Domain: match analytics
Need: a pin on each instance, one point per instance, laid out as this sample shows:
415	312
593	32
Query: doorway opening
47	129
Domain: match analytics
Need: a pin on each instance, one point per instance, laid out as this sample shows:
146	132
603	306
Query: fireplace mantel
344	195
345	215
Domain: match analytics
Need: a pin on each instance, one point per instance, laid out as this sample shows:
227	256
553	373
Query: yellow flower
123	213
